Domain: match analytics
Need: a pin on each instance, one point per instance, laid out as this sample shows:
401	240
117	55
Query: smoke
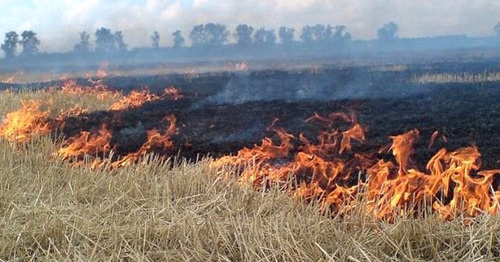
58	22
312	85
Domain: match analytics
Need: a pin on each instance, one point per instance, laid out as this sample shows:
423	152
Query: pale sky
58	22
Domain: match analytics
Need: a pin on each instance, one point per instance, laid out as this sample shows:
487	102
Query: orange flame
98	90
86	143
102	72
155	140
26	123
172	92
390	188
134	99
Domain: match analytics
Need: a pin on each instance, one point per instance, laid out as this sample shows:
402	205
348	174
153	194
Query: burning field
383	157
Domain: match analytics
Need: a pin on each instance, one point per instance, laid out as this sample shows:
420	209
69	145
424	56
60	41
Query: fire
134	99
155	141
97	90
26	123
138	98
102	72
86	143
450	186
97	144
172	92
327	168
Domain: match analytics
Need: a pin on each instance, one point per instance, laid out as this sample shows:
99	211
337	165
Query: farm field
356	163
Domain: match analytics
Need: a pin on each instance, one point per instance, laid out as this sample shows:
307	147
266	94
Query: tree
120	44
105	41
388	31
209	35
9	45
217	34
243	35
321	33
178	39
30	43
84	45
155	40
198	35
286	35
264	37
497	29
340	34
307	35
270	37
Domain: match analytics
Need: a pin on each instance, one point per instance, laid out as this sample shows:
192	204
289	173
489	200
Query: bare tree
178	39
29	42
388	31
84	45
9	45
155	40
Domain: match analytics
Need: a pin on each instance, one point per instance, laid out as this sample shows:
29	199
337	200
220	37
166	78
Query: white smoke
58	22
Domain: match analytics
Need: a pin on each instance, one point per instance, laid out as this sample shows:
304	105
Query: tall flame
22	125
319	172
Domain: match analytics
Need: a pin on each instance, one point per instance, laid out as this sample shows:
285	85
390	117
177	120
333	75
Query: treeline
212	37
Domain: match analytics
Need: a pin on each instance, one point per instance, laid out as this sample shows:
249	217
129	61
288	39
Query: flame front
155	140
323	172
323	169
26	123
86	143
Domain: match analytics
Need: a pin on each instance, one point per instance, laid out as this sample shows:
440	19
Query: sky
58	22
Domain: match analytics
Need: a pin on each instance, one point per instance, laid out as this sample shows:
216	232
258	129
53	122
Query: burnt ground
465	115
224	112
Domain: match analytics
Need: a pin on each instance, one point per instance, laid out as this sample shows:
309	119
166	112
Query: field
175	202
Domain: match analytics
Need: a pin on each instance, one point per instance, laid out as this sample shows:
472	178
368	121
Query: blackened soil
465	114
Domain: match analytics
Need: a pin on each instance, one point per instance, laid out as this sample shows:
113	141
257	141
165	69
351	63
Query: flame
97	90
172	92
86	143
320	171
26	123
433	139
327	169
102	72
9	80
138	98
134	99
155	140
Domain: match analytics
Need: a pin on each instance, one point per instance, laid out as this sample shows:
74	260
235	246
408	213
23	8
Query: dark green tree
388	32
84	45
9	45
29	42
155	40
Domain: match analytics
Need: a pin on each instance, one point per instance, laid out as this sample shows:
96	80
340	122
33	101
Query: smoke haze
58	22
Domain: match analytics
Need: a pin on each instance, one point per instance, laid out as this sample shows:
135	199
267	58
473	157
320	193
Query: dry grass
184	211
55	102
456	78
